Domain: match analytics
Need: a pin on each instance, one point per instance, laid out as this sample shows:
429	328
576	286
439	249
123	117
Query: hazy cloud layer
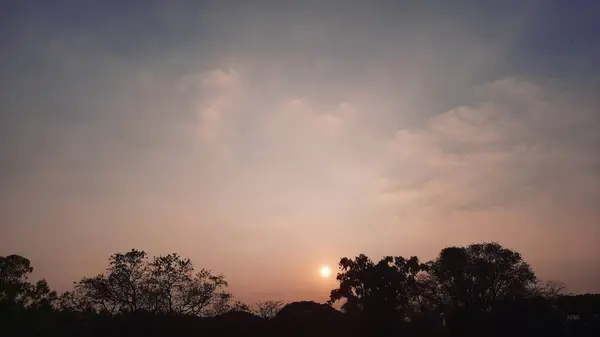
263	148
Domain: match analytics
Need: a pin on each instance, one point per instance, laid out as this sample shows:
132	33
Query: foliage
480	289
16	290
14	270
384	287
267	309
166	285
547	289
479	276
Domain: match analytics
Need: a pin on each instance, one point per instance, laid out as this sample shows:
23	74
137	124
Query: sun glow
325	272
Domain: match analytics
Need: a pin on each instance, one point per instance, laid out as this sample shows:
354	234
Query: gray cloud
497	151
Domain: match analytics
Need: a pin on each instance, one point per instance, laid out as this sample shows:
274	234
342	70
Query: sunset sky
265	139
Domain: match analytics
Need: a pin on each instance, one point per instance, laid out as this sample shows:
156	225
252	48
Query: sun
325	272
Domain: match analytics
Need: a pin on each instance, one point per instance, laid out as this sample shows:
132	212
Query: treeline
478	290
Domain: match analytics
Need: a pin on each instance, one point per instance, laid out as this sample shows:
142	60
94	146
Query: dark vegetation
479	290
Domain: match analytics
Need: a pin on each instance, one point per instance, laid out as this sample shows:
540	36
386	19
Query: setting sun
325	272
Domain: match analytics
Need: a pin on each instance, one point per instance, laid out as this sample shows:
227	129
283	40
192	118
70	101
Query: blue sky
273	137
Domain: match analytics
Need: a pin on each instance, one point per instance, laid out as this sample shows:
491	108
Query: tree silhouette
14	270
16	290
121	289
40	296
204	294
125	278
480	275
267	309
165	285
168	277
386	287
93	294
477	290
470	282
241	306
548	289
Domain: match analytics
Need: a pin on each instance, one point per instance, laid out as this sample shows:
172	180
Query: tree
77	300
125	279
548	289
171	287
167	285
168	276
39	295
120	289
16	290
267	309
224	304
204	295
480	275
241	306
93	294
383	288
470	284
14	271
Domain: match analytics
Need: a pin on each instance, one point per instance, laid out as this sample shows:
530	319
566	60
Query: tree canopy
479	289
165	285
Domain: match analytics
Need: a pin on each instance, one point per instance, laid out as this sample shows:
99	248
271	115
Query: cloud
214	79
501	152
329	124
493	152
342	119
224	134
215	96
226	80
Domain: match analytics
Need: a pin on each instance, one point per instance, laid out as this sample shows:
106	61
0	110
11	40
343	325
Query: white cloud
328	124
298	121
493	154
216	95
210	124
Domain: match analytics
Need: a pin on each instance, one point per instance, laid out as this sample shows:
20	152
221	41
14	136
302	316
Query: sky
264	139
